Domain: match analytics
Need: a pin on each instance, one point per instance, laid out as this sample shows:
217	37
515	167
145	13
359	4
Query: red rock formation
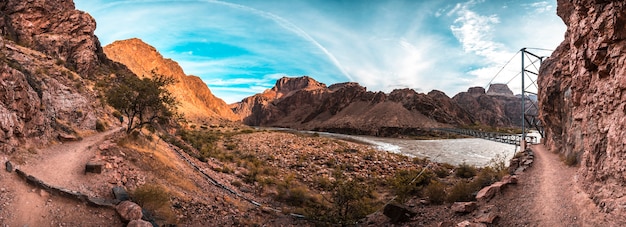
348	107
55	28
497	108
49	60
582	98
196	100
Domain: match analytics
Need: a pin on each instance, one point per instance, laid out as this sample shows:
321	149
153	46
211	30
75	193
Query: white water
473	151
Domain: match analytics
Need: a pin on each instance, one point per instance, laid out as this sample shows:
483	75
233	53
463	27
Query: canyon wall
582	98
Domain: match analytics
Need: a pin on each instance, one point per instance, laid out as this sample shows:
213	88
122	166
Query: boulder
120	193
487	218
94	167
464	207
9	166
68	138
508	179
129	211
398	213
139	223
490	191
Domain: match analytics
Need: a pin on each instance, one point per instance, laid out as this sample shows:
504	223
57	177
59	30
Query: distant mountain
497	107
304	103
197	102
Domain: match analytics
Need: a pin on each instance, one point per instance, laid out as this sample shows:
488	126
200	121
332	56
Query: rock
467	223
581	98
398	213
94	167
195	99
68	138
489	192
508	179
464	207
487	218
499	89
129	210
139	223
9	166
445	224
120	193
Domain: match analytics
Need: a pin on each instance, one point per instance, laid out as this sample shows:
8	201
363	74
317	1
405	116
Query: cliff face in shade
498	107
49	64
196	100
304	103
582	98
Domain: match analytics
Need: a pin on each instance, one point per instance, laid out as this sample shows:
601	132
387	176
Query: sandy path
58	165
553	204
548	195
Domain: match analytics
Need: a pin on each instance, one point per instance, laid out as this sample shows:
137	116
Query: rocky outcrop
582	98
55	28
196	100
304	103
497	108
49	64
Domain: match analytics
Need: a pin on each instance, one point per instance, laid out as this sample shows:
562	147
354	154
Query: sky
241	47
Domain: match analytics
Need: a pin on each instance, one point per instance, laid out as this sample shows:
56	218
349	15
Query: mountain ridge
197	102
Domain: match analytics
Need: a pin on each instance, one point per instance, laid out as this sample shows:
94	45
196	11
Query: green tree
143	101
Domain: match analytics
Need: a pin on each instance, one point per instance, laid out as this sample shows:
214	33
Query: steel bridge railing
513	139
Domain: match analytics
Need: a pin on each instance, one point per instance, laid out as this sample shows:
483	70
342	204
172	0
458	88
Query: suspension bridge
530	64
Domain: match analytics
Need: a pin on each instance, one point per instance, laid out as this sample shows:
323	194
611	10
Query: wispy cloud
239	47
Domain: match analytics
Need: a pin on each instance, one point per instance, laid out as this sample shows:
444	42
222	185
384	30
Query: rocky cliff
196	100
304	103
497	107
49	63
582	98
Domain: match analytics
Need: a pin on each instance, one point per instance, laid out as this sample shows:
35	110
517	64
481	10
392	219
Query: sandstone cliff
49	63
196	100
304	103
582	98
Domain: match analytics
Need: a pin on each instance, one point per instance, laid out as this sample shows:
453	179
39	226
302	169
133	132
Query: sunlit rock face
583	100
196	101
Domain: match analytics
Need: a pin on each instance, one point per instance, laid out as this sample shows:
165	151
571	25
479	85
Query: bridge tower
530	110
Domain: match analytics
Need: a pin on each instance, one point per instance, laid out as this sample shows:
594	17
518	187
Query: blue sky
240	47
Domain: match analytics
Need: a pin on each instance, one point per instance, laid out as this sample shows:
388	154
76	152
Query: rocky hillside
196	100
497	107
49	62
304	103
582	97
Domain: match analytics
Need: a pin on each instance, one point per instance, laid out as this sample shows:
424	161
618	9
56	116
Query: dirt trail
553	204
59	165
548	195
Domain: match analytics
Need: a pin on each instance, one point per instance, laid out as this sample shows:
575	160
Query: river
473	151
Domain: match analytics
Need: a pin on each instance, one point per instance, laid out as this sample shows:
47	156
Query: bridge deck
513	139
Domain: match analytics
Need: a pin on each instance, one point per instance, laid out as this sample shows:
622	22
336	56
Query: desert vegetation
329	181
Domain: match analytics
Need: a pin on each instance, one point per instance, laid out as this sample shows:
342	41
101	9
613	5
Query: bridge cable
499	71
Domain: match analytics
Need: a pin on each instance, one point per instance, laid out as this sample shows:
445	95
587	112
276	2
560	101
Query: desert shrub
441	172
406	183
571	159
155	198
486	176
436	193
236	183
100	126
465	171
462	191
